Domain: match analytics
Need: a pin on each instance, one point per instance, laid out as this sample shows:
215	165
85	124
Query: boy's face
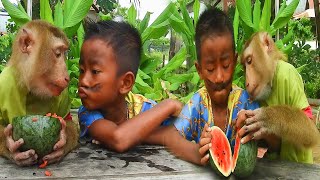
98	81
217	65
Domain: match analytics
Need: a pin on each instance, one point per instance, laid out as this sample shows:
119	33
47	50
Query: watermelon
39	132
241	162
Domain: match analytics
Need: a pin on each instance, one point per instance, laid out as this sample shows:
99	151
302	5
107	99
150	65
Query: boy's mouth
82	93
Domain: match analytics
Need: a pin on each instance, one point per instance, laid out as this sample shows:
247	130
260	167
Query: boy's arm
122	137
182	148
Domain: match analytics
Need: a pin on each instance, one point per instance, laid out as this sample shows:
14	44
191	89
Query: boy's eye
95	71
226	66
210	70
81	71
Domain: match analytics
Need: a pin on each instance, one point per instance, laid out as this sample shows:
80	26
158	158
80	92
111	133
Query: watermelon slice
241	163
220	152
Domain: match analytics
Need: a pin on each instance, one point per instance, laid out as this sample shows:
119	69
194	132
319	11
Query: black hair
212	22
124	39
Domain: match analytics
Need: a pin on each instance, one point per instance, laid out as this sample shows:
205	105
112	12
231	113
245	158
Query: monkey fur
39	66
291	124
260	58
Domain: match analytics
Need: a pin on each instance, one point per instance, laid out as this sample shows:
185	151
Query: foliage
253	18
308	63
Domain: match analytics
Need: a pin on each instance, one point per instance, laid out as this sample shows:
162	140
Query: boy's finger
204	141
204	149
205	159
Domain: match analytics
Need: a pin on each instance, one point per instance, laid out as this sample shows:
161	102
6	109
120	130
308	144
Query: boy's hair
123	38
212	23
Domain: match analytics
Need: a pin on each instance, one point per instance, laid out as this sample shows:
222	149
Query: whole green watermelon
38	132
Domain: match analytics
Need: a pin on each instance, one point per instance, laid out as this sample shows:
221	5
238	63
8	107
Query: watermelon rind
246	160
214	161
39	132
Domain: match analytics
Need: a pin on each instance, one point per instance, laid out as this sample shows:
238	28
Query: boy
218	103
111	114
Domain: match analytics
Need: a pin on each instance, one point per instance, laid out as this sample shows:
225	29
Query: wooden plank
144	162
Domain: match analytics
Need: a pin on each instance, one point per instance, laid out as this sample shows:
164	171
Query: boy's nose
218	78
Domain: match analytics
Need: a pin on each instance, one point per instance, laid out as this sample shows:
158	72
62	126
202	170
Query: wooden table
145	162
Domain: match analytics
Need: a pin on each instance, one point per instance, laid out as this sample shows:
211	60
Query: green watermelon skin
247	158
41	134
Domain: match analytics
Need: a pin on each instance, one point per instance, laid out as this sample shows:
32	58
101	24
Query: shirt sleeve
296	88
185	123
86	118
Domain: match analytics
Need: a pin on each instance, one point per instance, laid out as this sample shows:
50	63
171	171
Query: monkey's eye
249	60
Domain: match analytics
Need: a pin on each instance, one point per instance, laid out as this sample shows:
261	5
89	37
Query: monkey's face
49	75
98	81
259	68
216	66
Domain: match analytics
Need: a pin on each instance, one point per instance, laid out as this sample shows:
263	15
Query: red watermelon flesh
220	152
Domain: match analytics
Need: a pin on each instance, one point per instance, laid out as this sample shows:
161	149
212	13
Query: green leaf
132	15
186	18
244	8
150	65
196	11
160	26
265	17
45	11
179	78
18	15
70	31
58	15
236	25
256	15
195	79
145	21
105	17
143	75
180	26
284	15
174	63
80	35
75	12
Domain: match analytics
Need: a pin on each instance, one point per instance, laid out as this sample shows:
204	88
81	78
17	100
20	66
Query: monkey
35	81
285	113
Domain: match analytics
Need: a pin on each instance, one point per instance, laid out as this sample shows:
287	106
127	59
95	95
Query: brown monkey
34	82
283	121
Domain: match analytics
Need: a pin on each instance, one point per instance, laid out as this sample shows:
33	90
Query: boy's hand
58	148
178	106
205	144
253	127
26	158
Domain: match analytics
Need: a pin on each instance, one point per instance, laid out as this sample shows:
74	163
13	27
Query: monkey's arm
72	131
290	124
3	148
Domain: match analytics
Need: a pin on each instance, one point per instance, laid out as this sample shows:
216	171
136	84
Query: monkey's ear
267	42
127	82
26	41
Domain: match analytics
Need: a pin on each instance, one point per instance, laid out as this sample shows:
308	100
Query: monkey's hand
26	158
58	148
285	122
205	144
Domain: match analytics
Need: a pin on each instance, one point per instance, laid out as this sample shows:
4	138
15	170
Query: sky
153	6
